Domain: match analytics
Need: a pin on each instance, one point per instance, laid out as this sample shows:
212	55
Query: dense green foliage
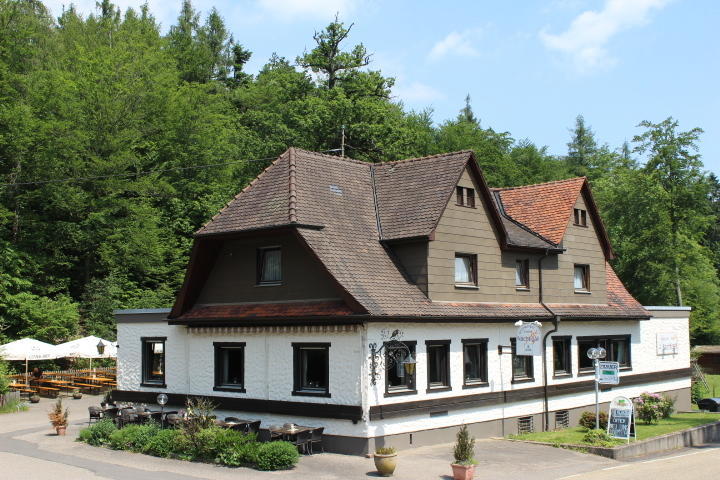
587	419
157	131
5	380
212	444
464	448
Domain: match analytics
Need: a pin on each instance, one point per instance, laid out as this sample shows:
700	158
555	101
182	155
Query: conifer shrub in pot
464	453
59	417
385	460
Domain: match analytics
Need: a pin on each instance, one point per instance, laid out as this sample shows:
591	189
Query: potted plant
59	417
34	398
77	394
464	453
385	460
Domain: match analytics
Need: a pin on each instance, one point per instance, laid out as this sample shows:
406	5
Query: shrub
199	417
649	407
599	438
98	433
4	377
165	443
587	420
464	450
276	456
667	407
134	437
243	454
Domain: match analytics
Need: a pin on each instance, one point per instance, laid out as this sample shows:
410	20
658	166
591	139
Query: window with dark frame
230	366
522	273
581	278
617	348
311	366
397	381
522	365
153	361
269	266
580	217
438	364
465	197
475	371
561	355
465	269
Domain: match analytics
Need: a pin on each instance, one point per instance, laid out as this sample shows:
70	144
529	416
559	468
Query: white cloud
455	43
416	92
586	39
291	9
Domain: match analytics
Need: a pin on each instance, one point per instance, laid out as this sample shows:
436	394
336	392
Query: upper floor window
475	372
580	217
438	364
522	274
230	366
153	361
617	349
465	197
311	364
269	268
581	278
465	269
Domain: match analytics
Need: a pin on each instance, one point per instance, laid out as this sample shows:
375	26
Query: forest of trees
118	141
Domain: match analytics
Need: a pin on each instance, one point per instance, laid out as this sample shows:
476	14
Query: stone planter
61	430
34	399
463	472
385	464
77	395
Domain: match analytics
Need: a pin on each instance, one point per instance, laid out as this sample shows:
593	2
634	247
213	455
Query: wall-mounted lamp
396	353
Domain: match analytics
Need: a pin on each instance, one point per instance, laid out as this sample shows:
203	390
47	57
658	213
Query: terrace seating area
306	439
54	384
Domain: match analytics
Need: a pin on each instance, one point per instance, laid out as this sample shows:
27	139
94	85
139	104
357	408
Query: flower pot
463	472
34	399
385	464
60	430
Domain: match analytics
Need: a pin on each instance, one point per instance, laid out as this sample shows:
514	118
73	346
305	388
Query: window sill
467	287
153	385
522	289
269	284
221	388
583	292
562	375
522	380
440	388
397	393
475	385
308	393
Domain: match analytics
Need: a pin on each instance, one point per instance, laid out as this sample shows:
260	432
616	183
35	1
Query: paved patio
29	449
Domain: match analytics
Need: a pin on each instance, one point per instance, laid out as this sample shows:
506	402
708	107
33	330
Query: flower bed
207	444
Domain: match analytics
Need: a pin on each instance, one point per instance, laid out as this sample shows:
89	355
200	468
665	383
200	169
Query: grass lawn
14	406
679	421
714	384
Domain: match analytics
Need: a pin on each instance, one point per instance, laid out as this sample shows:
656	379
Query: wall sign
621	420
528	340
667	344
609	372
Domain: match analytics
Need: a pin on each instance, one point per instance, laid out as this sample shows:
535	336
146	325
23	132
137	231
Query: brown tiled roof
544	208
618	295
266	310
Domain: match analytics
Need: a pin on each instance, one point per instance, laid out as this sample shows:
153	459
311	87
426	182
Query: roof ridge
333	157
248	187
428	157
565	180
292	200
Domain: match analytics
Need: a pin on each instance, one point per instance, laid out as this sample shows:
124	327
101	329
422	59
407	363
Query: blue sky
530	67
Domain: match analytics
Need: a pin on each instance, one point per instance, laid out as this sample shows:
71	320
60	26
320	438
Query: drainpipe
556	324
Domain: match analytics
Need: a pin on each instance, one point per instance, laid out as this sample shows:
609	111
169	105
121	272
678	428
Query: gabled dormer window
269	267
465	197
580	218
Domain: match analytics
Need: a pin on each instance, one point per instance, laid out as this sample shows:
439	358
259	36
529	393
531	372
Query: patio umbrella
87	347
28	349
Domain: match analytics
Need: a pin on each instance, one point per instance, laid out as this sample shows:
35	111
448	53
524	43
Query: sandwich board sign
528	340
621	421
608	373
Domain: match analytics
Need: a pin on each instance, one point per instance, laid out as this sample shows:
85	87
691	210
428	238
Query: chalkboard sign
621	419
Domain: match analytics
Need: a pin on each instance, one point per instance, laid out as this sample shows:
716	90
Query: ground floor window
311	365
617	348
397	379
475	371
230	366
153	361
522	365
438	364
561	356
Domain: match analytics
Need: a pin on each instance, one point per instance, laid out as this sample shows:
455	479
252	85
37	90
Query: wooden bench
87	386
50	391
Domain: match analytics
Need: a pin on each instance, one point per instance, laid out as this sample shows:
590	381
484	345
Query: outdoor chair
252	427
302	439
127	417
316	437
172	419
96	414
264	436
232	419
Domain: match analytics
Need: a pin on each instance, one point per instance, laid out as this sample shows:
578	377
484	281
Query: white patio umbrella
87	347
28	349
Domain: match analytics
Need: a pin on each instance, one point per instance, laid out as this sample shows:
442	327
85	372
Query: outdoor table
221	423
289	432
